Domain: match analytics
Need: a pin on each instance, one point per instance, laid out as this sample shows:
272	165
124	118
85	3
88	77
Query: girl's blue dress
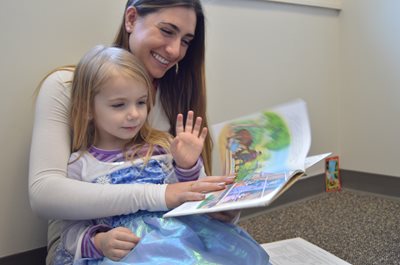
193	239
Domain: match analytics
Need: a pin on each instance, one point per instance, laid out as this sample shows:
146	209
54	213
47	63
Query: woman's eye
142	102
166	31
186	42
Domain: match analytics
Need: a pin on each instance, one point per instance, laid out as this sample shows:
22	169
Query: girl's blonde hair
94	70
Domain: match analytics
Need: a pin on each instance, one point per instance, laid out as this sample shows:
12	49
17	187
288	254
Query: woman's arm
52	194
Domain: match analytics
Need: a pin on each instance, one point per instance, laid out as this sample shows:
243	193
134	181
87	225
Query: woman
168	37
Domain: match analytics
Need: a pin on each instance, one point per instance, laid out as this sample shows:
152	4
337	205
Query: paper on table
297	251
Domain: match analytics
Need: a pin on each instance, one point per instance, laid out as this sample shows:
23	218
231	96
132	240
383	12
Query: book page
271	141
240	195
259	188
297	251
264	151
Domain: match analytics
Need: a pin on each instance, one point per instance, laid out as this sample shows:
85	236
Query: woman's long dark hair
185	90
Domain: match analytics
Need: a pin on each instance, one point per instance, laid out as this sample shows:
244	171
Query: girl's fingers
128	236
198	189
179	124
124	245
189	126
189	122
197	126
217	179
204	187
192	196
203	134
181	192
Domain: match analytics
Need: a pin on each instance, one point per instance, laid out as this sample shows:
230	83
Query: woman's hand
227	216
116	243
188	143
181	192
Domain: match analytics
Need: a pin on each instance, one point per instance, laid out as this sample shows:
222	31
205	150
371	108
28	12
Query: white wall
259	54
37	36
370	92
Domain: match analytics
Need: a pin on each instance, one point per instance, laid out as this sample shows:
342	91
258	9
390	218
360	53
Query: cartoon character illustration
244	156
247	144
239	141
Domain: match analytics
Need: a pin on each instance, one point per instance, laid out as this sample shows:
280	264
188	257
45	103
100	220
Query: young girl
114	144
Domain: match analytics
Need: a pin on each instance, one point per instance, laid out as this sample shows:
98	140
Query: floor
360	228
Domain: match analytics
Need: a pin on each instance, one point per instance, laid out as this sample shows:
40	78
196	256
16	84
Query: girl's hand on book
181	192
188	143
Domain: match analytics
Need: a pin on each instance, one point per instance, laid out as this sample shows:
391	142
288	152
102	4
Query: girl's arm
52	194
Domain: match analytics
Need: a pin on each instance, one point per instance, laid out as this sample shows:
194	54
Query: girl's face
120	110
160	39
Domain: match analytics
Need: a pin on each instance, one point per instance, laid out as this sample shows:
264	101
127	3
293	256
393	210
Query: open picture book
266	151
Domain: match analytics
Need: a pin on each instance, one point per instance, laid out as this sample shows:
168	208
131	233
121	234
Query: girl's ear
130	18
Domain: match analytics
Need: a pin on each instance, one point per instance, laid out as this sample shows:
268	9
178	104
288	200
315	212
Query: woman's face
160	39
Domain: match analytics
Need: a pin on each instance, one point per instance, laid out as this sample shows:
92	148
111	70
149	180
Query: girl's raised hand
188	143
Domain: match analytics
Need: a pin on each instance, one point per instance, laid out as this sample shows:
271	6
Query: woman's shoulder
61	75
60	78
56	86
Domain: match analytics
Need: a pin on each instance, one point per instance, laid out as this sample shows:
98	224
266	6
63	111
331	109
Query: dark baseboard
301	190
32	257
373	183
359	181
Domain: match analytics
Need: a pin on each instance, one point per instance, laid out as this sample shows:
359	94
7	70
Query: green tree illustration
277	131
269	133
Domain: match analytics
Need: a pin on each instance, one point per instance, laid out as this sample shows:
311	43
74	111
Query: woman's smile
160	59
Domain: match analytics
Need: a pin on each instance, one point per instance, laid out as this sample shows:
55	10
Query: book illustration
249	149
251	187
248	146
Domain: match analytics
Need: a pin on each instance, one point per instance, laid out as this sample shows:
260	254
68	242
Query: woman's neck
154	90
